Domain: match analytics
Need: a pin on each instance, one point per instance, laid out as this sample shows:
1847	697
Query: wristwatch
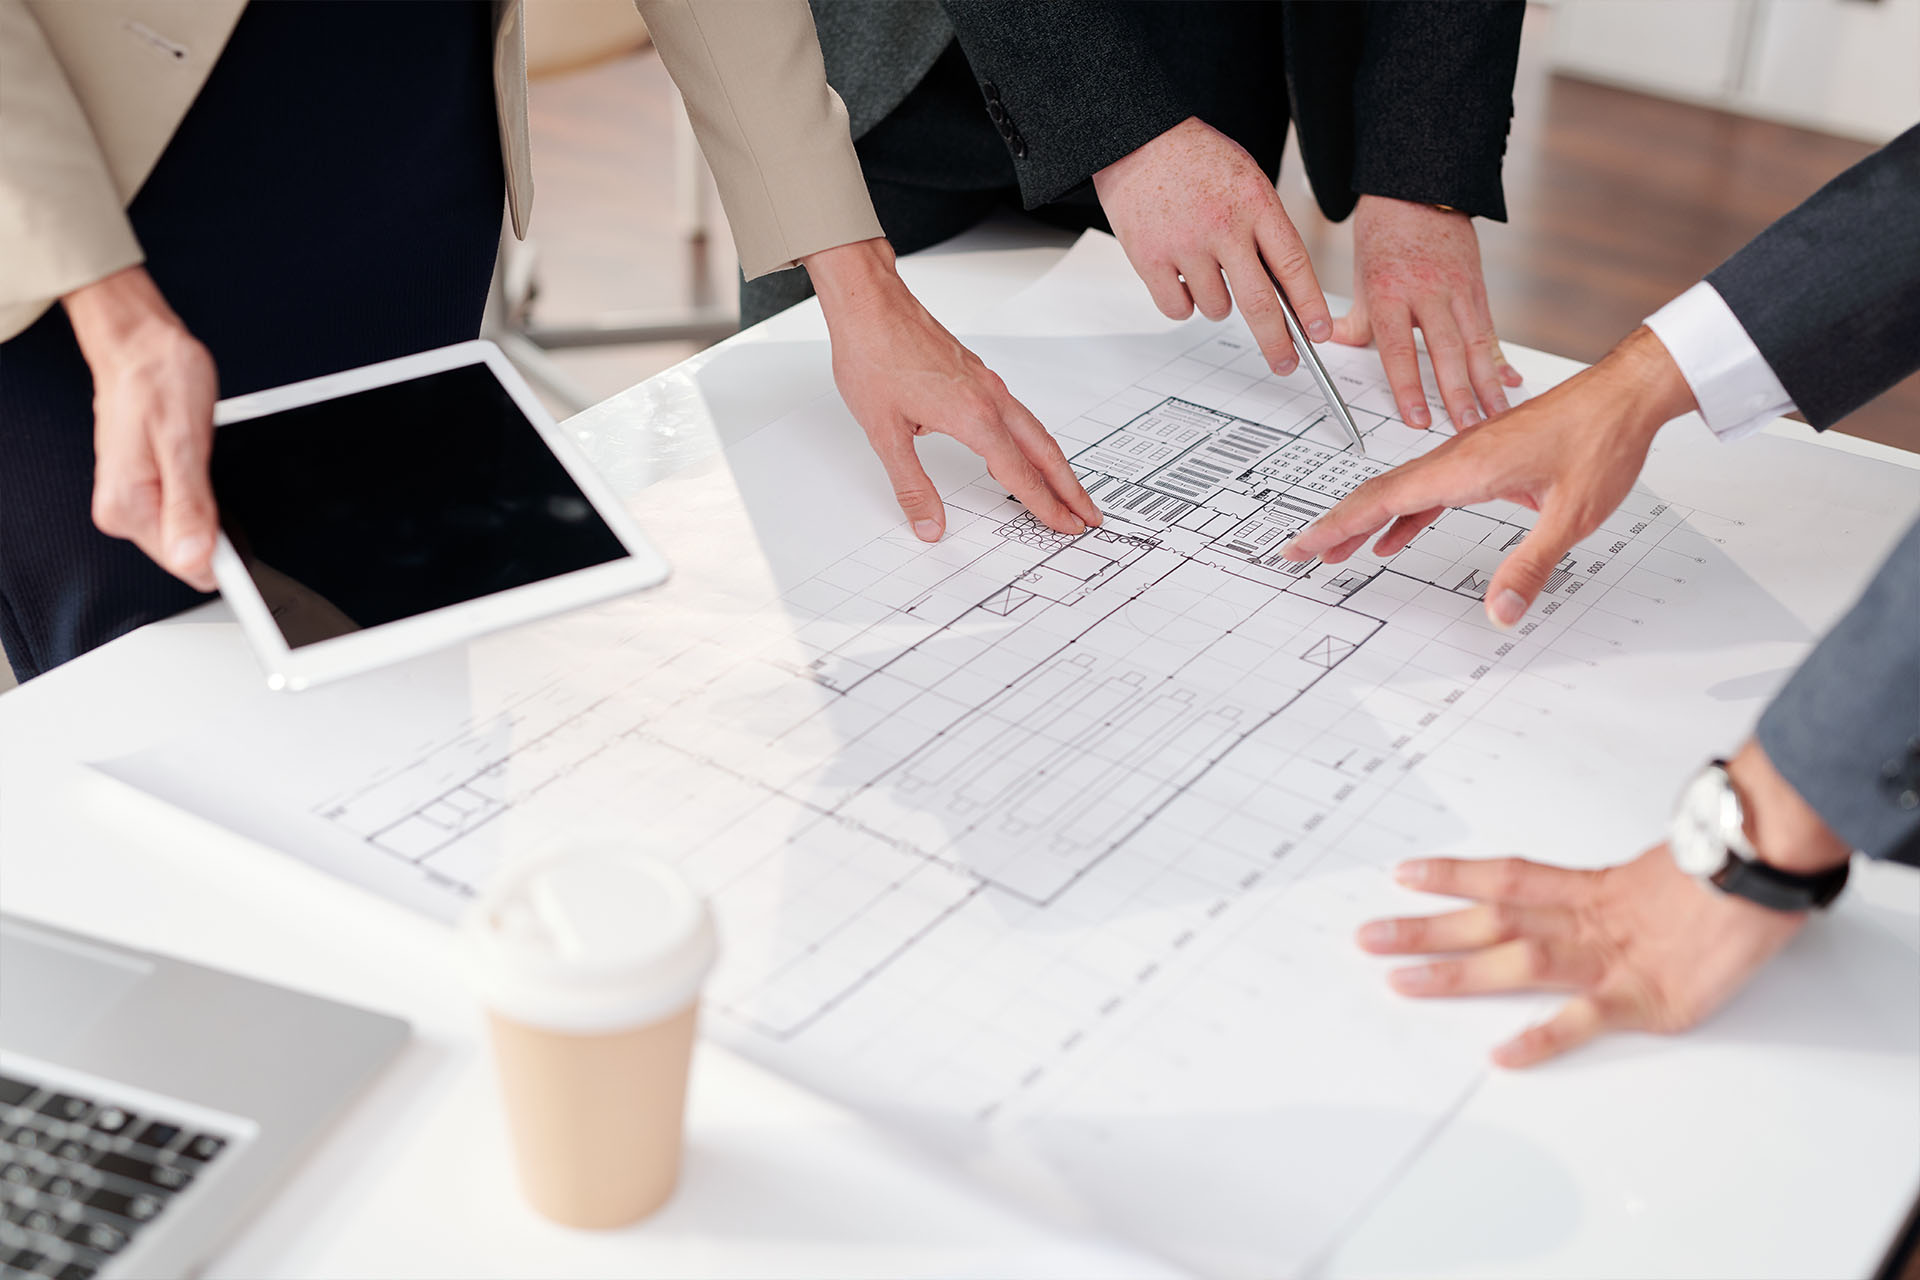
1708	839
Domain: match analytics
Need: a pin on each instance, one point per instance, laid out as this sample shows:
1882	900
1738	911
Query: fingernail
927	530
1467	418
1099	518
1319	330
1416	977
1412	874
1417	416
1506	608
190	550
1379	933
1286	366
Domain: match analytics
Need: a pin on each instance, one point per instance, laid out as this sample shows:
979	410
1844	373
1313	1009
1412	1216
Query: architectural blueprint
1047	850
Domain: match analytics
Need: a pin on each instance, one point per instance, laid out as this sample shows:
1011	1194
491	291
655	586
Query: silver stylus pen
1311	359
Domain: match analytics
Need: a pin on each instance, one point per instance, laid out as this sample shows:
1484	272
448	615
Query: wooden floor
1618	201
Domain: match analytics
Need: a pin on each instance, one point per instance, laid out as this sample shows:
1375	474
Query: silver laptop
147	1105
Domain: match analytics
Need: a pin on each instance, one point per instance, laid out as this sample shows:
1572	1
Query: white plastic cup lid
589	937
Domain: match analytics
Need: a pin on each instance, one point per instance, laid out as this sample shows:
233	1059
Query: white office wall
1847	66
1682	48
1852	65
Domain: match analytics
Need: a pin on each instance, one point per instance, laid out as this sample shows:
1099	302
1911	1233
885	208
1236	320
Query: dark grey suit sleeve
1077	83
1830	294
1411	101
1845	731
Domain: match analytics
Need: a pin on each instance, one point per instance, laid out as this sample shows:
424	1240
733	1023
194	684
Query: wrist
1649	386
852	276
116	312
1783	828
1375	203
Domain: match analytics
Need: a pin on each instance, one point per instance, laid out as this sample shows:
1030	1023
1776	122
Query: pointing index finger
1356	516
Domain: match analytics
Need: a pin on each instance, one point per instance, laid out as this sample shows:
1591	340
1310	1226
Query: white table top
1798	1116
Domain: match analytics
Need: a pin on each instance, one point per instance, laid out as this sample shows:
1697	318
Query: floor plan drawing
1005	711
1047	849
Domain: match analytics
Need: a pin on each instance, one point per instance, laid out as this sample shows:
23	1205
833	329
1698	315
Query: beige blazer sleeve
774	132
61	216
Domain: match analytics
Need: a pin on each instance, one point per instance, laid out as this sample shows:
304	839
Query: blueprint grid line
1046	849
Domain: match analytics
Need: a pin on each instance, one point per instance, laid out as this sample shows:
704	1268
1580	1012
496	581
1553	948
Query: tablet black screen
400	499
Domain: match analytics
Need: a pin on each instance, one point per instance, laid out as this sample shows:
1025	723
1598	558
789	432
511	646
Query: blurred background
1651	138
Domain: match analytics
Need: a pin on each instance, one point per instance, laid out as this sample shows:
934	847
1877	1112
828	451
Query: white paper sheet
1048	851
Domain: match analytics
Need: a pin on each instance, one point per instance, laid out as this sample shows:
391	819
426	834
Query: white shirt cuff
1734	386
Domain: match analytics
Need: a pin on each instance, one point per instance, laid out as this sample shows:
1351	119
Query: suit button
1019	145
987	87
996	112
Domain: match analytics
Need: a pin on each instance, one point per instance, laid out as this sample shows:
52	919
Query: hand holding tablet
381	513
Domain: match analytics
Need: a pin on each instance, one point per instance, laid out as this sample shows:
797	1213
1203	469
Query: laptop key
101	1237
77	1271
60	1187
26	1139
27	1262
15	1092
111	1119
157	1134
107	1200
64	1106
16	1175
166	1177
77	1152
203	1147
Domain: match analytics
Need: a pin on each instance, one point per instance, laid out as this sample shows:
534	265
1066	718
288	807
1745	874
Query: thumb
187	517
913	490
1353	329
1521	576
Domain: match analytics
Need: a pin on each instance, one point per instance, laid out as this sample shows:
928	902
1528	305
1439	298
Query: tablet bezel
293	669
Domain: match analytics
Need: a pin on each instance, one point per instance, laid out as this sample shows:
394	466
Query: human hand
1643	945
1419	265
1192	204
902	375
154	389
1570	454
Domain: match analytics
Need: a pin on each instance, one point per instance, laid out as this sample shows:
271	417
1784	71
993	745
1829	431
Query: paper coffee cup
589	959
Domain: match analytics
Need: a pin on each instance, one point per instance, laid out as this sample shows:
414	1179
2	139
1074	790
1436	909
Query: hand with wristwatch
1655	944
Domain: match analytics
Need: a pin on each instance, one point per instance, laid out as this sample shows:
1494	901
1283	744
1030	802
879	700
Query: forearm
1645	384
1076	103
1435	101
855	280
1831	292
61	218
113	312
773	132
1784	829
1845	731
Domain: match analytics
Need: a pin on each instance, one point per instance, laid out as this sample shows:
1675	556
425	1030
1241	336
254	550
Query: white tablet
384	512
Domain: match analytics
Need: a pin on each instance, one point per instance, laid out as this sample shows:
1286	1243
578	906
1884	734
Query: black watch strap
1777	889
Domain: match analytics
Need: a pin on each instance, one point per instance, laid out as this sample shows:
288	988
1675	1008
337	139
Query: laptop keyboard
80	1177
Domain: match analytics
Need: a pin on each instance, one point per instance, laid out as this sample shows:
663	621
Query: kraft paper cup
589	959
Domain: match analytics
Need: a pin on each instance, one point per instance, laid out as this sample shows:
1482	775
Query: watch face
1695	837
